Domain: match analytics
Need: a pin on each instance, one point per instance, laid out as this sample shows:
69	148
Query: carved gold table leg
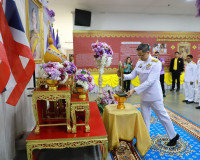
87	115
105	150
73	116
69	130
29	152
35	111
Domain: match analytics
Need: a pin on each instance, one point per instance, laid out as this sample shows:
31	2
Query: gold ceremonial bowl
52	84
82	93
120	101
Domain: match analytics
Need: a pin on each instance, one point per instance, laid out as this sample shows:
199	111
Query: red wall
174	40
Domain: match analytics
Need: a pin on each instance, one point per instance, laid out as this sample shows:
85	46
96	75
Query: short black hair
144	47
176	52
189	55
156	52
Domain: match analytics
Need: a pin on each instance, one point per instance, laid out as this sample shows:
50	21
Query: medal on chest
148	67
140	66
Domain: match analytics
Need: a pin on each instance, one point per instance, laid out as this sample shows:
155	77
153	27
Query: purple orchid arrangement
198	7
51	13
101	48
108	98
54	71
70	67
84	79
103	55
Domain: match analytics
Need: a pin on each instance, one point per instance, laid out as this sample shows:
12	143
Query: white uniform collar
149	59
190	62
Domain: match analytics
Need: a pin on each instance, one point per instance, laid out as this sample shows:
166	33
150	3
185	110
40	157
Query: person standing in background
198	81
127	70
176	68
162	72
71	58
189	79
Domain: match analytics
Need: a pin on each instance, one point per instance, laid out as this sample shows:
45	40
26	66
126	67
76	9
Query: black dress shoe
171	89
198	107
188	102
185	101
164	95
173	141
177	90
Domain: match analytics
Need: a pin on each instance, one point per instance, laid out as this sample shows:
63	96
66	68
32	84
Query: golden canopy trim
148	34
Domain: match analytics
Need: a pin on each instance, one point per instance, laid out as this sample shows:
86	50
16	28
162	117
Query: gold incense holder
53	84
120	101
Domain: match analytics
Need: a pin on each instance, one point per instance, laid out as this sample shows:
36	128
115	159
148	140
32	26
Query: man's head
156	54
176	54
189	58
143	51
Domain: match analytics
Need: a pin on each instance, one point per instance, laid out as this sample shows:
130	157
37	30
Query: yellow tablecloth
168	78
126	124
113	80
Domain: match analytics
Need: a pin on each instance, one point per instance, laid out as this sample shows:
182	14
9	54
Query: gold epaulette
154	60
194	62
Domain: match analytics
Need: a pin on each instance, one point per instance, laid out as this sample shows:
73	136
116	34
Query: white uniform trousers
161	113
199	92
189	91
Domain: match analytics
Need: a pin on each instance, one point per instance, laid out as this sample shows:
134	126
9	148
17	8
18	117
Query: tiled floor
173	100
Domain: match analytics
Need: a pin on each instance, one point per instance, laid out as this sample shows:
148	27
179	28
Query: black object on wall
82	17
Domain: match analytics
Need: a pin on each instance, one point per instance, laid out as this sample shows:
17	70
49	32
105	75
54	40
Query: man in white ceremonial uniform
198	79
148	69
189	79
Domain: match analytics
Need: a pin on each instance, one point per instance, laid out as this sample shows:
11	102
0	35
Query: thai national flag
17	50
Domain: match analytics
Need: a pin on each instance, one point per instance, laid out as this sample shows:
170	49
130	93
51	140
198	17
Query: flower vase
81	93
53	84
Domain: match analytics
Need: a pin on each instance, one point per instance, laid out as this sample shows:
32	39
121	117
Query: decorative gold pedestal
120	101
78	105
45	94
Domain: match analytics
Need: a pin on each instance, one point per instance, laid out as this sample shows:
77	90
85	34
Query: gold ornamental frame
183	49
41	29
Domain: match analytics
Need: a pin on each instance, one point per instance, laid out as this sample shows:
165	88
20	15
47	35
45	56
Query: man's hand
130	93
191	83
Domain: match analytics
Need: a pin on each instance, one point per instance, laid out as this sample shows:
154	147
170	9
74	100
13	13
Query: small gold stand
120	101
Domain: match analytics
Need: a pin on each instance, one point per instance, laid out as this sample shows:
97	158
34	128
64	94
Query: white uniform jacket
198	70
149	75
190	72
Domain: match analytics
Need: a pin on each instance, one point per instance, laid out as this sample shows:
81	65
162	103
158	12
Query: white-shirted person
148	69
198	81
189	79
